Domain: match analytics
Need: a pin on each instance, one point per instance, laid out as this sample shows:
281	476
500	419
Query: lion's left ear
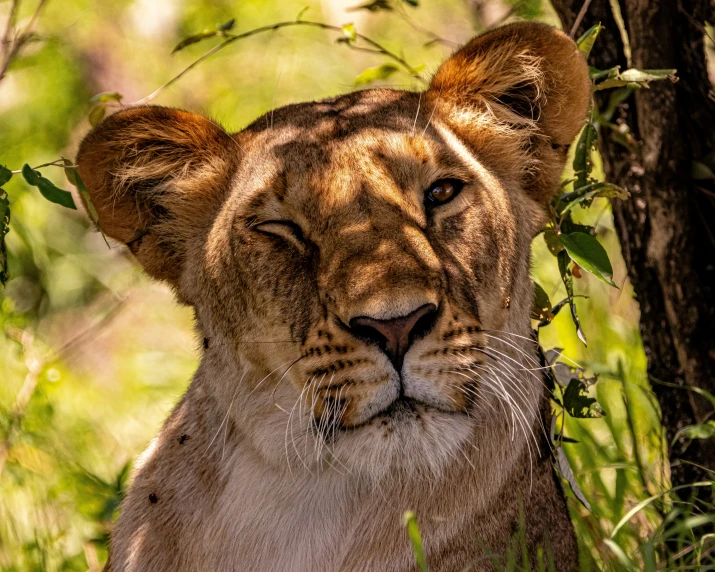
532	77
533	70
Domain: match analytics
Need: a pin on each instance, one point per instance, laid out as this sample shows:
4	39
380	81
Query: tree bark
667	227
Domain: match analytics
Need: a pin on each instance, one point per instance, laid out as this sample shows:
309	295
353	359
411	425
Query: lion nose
394	336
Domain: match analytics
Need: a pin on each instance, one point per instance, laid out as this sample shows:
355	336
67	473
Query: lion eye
442	191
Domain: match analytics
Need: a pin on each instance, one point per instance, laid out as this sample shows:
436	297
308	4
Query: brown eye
442	191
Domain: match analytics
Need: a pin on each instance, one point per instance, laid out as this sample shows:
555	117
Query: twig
579	18
22	38
55	163
436	38
5	42
230	38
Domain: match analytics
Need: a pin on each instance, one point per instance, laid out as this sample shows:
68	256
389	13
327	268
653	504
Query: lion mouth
402	410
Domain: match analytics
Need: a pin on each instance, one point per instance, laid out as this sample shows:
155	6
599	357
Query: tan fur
288	451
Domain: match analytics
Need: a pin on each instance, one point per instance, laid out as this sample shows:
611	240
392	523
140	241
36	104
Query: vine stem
230	38
579	18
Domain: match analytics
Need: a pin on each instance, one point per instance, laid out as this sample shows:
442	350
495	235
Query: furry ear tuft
157	177
527	73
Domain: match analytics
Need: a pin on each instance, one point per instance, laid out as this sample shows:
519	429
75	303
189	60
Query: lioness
359	271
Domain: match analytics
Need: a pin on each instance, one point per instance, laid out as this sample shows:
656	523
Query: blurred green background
94	354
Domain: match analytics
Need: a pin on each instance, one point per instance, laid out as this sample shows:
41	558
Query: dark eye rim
458	185
294	228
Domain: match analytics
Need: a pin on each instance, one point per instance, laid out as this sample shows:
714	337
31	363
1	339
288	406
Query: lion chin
359	272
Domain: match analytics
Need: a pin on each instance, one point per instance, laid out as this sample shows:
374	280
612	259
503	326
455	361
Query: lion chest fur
359	270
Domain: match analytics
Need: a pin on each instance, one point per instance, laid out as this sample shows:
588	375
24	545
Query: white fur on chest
272	521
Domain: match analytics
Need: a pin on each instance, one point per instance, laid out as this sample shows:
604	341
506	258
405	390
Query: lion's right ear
157	177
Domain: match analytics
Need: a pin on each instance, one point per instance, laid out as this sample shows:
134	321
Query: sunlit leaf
636	75
587	252
47	188
701	431
370	75
350	32
5	175
585	42
106	97
97	114
413	532
195	39
637	78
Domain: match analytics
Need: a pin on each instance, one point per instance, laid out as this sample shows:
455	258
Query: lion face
358	266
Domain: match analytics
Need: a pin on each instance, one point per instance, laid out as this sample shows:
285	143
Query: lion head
359	266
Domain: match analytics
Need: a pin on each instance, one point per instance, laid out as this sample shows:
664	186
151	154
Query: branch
20	41
230	38
579	18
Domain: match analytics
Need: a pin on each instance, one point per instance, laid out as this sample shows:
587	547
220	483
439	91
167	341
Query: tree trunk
667	227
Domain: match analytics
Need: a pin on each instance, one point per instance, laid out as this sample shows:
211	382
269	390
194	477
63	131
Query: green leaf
374	74
195	39
567	278
577	402
413	532
596	73
350	32
601	190
585	42
582	164
97	114
588	253
541	309
228	26
47	188
106	97
76	180
70	171
698	171
552	241
702	431
562	464
617	97
5	175
637	78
